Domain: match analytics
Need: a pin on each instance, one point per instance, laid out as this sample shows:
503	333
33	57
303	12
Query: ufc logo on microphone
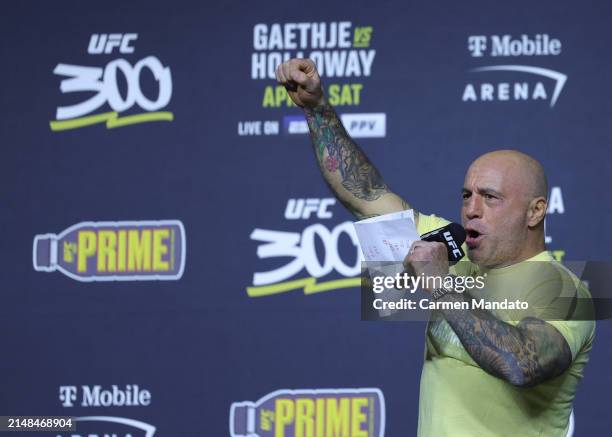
451	243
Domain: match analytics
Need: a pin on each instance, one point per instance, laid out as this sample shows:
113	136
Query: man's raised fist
302	81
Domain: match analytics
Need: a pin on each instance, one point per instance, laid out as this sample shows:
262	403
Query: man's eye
489	196
465	195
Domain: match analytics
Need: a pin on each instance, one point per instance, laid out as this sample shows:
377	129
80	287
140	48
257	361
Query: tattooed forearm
340	159
524	355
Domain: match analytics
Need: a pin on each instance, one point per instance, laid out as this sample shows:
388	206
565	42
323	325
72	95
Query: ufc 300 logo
104	82
304	258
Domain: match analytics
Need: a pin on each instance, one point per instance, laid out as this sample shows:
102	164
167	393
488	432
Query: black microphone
453	236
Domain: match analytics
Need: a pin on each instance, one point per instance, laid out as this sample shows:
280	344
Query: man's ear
536	211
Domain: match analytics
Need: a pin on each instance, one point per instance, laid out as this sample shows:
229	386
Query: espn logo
295	124
372	125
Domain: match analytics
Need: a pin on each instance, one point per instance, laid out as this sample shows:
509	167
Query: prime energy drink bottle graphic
311	413
114	251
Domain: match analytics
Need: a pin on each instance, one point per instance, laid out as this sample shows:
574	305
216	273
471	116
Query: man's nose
473	207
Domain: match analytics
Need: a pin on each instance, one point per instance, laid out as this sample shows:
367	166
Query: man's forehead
507	171
497	174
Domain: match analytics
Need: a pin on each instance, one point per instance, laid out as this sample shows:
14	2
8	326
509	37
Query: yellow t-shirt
458	398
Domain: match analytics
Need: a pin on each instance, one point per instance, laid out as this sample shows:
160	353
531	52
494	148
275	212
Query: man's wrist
439	293
319	107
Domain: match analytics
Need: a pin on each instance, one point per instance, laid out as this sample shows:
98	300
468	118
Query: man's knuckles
425	251
408	260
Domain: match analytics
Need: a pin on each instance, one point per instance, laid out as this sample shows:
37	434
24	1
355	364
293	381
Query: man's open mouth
472	238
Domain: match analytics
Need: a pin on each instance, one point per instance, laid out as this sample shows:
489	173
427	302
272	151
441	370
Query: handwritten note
387	237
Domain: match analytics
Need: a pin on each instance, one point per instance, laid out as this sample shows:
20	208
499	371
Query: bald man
485	373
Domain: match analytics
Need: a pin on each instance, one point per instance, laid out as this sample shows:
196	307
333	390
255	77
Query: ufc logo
105	43
304	208
451	243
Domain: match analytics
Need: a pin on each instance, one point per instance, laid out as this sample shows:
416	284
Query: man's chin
475	255
478	257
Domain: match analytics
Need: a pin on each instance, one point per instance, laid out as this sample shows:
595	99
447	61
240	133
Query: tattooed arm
524	355
345	167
